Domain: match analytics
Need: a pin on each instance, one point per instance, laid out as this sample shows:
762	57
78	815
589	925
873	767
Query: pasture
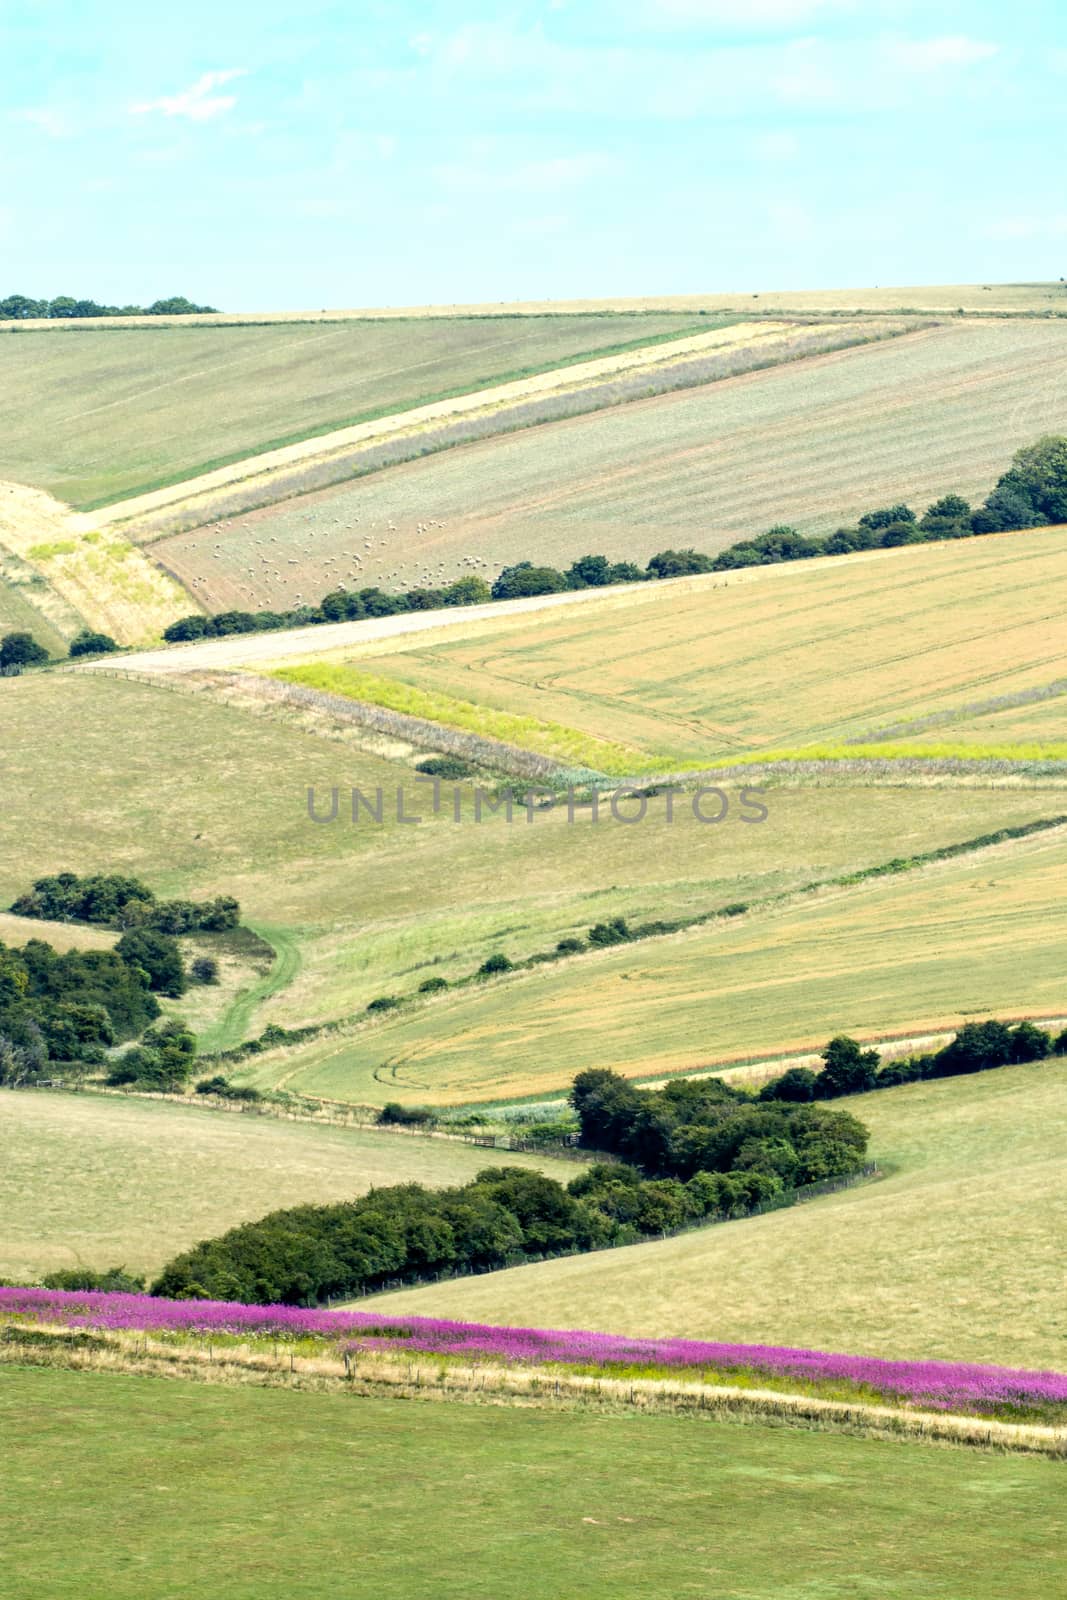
953	1255
212	799
914	953
493	1503
744	663
814	443
97	1180
96	414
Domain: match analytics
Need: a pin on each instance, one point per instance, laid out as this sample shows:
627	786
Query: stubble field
815	443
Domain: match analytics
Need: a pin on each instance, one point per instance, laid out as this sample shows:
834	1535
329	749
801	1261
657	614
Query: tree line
21	307
847	1068
114	900
736	1157
1032	493
20	649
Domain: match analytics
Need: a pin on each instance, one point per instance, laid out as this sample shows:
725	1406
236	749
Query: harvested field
769	659
814	443
573	390
98	414
980	935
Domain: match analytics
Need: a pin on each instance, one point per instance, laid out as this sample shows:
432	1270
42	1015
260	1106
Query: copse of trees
22	307
113	900
850	1069
701	1126
696	1153
68	1008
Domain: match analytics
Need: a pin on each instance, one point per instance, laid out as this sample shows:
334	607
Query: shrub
88	643
678	563
570	947
433	985
18	650
205	969
526	579
797	1085
615	931
447	767
495	963
385	1002
116	1280
393	1114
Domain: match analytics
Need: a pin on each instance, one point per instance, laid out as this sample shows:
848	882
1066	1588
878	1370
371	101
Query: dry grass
955	1255
326	1371
95	1180
792	656
84	575
915	953
60	935
105	413
814	443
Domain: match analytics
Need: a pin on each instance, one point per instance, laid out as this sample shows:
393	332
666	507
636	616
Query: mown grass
952	1255
796	659
101	414
95	1180
283	1494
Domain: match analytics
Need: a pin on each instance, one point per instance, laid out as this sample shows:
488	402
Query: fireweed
943	1385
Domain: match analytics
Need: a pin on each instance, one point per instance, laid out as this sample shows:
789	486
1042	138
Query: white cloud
197	102
929	55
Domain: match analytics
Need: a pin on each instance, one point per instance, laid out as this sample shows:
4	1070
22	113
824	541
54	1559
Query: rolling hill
813	442
953	1253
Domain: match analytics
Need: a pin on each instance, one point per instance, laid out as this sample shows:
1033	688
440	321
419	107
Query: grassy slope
906	954
955	1254
293	1495
361	911
95	1180
815	443
772	658
98	414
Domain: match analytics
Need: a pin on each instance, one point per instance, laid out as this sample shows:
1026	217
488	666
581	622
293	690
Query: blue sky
373	154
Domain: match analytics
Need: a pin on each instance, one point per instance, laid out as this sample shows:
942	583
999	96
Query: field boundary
362	1376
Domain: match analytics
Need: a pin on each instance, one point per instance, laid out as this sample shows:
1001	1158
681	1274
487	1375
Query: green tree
156	954
18	650
847	1068
88	643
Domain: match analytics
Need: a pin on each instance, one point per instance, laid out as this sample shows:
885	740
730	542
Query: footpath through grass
131	1486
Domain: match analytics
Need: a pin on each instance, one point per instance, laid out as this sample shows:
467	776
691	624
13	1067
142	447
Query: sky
258	156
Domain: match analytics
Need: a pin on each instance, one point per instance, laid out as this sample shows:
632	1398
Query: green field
98	1180
307	1497
357	911
774	658
814	443
954	1254
914	953
95	415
